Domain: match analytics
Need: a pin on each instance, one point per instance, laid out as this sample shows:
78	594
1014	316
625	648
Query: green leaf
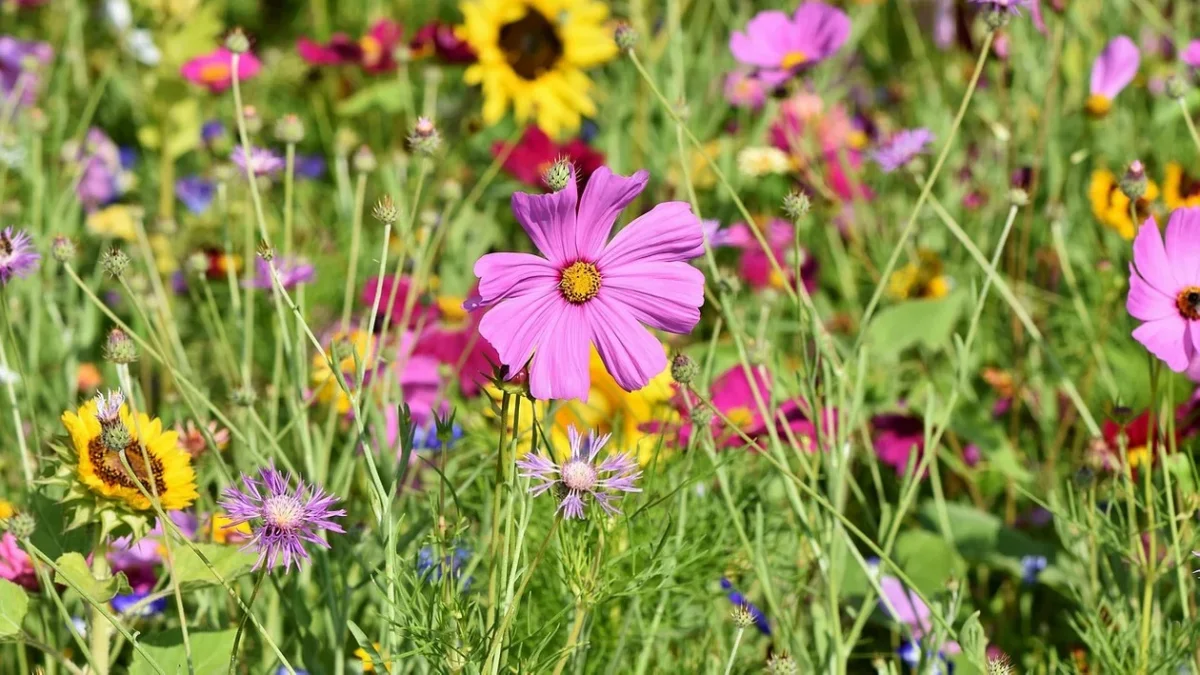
928	560
53	536
982	537
387	96
974	642
915	322
228	561
73	571
13	604
210	652
183	120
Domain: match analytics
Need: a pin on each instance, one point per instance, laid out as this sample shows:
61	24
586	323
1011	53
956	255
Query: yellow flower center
531	45
108	467
213	73
740	416
1137	456
793	59
579	282
1188	303
372	51
1098	105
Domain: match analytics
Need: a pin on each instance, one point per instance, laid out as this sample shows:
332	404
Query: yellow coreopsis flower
116	221
532	55
6	510
921	279
1179	189
101	469
1111	206
324	381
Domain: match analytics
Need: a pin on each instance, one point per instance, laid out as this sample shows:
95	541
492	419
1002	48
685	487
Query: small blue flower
739	600
429	569
910	653
211	131
310	166
588	131
124	605
128	156
284	671
195	193
426	437
1031	567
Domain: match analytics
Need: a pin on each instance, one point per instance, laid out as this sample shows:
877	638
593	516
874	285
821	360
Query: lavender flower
580	476
739	600
17	257
902	148
282	518
196	193
263	162
13	70
291	270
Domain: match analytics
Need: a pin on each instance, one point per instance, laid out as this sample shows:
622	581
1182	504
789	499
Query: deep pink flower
897	437
440	39
1113	70
395	290
536	152
1191	54
463	349
372	51
215	69
15	565
779	46
826	142
1164	288
755	267
589	290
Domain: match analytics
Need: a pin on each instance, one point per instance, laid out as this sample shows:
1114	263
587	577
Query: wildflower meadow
599	337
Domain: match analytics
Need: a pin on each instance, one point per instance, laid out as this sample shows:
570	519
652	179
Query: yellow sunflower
608	409
922	279
1179	189
532	54
102	472
1111	206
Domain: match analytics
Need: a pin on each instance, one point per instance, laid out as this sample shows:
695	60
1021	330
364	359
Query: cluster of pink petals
215	69
374	51
15	565
645	280
755	267
1160	280
821	139
1115	67
778	45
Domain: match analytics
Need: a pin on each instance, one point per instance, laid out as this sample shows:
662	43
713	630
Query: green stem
237	637
737	641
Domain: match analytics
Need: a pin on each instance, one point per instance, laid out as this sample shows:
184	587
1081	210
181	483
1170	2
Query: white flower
119	14
141	44
8	377
763	161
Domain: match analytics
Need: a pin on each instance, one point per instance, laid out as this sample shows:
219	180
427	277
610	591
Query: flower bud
625	37
265	251
22	525
244	397
558	175
289	129
254	120
781	664
385	210
114	262
237	41
63	248
702	415
119	348
742	618
996	18
1133	183
516	384
364	160
344	141
424	138
1018	197
1176	87
683	369
796	206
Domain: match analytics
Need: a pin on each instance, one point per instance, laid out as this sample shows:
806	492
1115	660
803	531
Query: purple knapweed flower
292	271
739	600
15	55
1112	71
902	148
779	46
263	162
282	518
580	477
100	169
196	193
17	255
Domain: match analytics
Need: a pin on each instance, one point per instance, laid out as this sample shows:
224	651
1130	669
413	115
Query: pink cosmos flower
744	90
1191	54
15	565
1164	288
590	290
897	436
779	46
215	69
755	267
826	141
1113	70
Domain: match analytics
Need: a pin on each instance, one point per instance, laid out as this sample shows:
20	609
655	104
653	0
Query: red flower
536	152
438	38
372	51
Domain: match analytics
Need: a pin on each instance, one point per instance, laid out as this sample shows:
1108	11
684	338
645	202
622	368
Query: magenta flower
755	267
263	162
902	148
17	255
1191	54
282	518
1164	288
586	291
779	46
1113	70
744	90
214	70
897	437
15	565
580	476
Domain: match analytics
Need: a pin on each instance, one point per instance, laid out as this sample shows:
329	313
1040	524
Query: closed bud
344	142
244	397
782	664
254	120
364	160
996	18
22	525
38	121
402	54
625	37
516	384
1018	197
119	348
702	415
114	262
558	175
385	210
1176	87
1000	665
451	190
796	205
424	137
237	41
289	129
115	437
683	369
1133	183
63	248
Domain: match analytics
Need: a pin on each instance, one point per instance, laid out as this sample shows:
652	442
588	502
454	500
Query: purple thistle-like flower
902	148
292	271
282	518
263	161
17	257
1011	6
580	476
